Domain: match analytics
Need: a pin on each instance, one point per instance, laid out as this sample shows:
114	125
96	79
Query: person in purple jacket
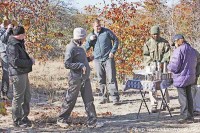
183	67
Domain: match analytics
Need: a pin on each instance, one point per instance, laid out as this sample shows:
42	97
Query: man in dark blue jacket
20	64
105	44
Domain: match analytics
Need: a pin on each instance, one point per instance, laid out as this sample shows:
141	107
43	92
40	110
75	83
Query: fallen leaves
3	110
104	114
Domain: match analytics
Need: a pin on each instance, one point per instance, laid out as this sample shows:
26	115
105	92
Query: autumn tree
131	26
190	15
47	24
131	22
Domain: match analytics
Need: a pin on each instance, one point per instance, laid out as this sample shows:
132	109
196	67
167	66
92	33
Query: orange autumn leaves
35	17
131	22
131	29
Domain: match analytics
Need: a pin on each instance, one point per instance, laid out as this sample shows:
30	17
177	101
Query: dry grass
49	75
52	75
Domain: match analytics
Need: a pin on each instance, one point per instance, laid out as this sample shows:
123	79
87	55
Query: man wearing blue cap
183	67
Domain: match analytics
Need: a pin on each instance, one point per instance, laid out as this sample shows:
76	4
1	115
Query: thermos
165	67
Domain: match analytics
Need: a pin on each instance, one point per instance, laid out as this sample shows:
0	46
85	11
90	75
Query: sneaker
62	123
91	121
94	124
27	121
154	110
196	113
19	123
99	124
116	103
186	121
103	101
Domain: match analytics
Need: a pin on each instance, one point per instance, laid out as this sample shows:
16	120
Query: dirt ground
116	118
48	83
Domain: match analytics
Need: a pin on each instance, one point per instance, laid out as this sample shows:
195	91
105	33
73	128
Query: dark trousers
106	74
75	85
186	101
5	78
21	97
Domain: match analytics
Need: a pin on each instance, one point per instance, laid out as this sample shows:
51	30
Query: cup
93	37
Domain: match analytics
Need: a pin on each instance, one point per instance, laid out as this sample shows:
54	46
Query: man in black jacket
20	64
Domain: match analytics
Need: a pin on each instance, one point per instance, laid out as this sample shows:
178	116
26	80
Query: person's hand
84	70
111	55
91	58
10	26
93	37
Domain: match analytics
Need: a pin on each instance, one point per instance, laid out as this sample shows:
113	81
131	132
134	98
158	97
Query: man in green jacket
156	49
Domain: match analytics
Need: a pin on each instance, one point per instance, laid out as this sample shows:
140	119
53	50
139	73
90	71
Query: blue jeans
106	74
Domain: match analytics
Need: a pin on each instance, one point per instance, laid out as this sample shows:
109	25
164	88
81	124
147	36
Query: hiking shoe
186	121
62	123
116	103
94	124
19	123
27	121
103	101
196	113
91	121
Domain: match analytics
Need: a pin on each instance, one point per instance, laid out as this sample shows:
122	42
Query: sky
81	3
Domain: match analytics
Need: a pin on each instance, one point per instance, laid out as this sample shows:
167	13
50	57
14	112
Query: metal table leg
142	100
164	101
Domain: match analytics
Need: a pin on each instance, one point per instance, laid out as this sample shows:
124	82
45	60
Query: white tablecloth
147	85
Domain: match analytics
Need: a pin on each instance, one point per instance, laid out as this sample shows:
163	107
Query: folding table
144	86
